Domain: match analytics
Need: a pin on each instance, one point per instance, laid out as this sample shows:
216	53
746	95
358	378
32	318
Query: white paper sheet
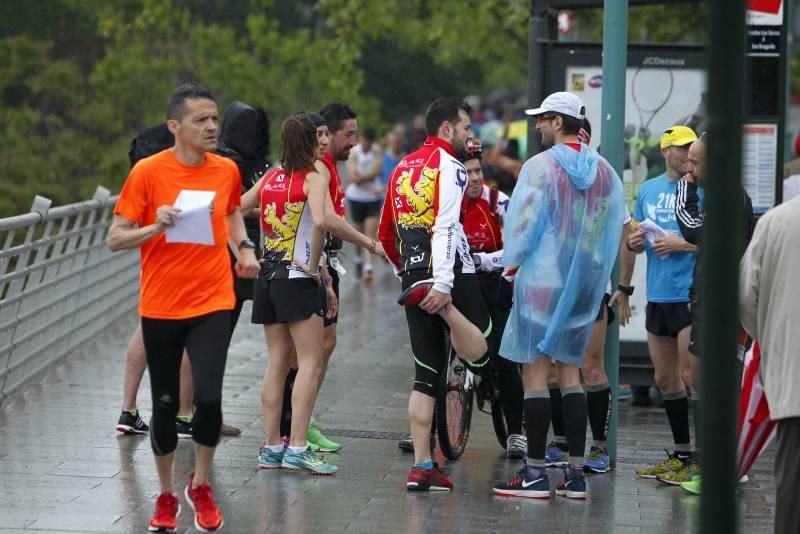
652	232
194	223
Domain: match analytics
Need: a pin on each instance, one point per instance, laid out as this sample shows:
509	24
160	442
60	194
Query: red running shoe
207	516
420	479
415	293
165	518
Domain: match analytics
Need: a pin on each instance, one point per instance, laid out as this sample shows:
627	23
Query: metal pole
615	59
720	260
537	61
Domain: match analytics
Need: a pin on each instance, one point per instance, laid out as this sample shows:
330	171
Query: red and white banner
764	12
755	427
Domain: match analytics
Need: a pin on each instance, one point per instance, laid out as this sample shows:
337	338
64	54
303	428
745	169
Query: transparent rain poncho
562	230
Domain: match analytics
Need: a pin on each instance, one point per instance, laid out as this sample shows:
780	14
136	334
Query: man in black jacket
690	220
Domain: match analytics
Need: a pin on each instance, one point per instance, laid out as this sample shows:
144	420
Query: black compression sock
677	407
557	410
598	404
575	423
537	422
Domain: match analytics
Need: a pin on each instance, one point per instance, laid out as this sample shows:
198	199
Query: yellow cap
678	136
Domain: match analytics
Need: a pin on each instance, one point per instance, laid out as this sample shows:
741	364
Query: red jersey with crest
482	225
335	184
336	190
286	223
420	226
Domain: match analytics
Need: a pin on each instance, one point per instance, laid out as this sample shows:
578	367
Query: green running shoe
672	463
689	469
693	486
315	437
306	461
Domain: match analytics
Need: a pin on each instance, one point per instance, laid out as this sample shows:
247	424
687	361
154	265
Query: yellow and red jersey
420	226
286	223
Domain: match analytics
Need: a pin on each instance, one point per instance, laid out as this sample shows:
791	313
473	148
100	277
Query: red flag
755	428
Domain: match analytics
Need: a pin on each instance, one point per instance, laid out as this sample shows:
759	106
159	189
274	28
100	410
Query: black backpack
244	138
150	141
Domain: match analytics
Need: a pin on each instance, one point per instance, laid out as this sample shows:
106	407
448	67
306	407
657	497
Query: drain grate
365	434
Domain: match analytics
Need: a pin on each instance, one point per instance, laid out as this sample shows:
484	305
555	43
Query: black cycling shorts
335	275
287	300
360	211
667	319
427	331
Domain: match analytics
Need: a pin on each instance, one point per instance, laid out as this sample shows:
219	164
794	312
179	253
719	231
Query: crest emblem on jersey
279	242
419	197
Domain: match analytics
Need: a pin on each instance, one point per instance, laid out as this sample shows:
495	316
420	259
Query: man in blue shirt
670	264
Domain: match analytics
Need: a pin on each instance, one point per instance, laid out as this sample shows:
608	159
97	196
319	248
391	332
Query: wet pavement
63	468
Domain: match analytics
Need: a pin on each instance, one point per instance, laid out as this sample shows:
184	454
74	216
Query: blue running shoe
573	485
268	459
597	462
527	483
555	456
308	462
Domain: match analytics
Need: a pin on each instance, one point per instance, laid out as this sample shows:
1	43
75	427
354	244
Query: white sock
274	448
298	450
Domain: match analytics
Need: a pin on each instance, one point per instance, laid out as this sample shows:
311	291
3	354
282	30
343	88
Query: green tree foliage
78	78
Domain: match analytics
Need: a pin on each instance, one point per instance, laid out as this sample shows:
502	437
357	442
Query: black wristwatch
628	290
246	243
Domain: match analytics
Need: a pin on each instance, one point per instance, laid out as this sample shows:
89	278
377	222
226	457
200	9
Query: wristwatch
628	290
246	243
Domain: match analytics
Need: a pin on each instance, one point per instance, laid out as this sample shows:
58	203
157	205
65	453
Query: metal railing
60	286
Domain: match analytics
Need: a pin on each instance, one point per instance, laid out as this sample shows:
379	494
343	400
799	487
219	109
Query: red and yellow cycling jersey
420	226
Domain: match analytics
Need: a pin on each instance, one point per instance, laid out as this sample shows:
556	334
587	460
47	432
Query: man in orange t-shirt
186	289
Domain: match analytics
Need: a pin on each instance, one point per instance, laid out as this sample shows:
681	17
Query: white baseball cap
561	102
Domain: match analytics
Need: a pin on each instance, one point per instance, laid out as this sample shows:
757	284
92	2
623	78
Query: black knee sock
557	408
677	407
537	422
286	410
575	423
598	403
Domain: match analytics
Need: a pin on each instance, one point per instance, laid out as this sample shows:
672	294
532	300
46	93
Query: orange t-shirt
182	280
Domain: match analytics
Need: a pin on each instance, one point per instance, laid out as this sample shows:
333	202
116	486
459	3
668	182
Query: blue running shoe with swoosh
528	483
597	462
573	485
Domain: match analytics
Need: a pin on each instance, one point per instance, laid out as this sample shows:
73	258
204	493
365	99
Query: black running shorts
284	301
695	333
667	318
604	307
360	211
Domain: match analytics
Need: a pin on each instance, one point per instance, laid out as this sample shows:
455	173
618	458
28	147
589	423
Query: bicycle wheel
453	405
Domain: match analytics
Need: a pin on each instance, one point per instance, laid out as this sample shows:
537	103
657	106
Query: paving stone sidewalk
63	468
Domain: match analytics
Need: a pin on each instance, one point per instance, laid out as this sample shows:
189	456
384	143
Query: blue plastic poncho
562	229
